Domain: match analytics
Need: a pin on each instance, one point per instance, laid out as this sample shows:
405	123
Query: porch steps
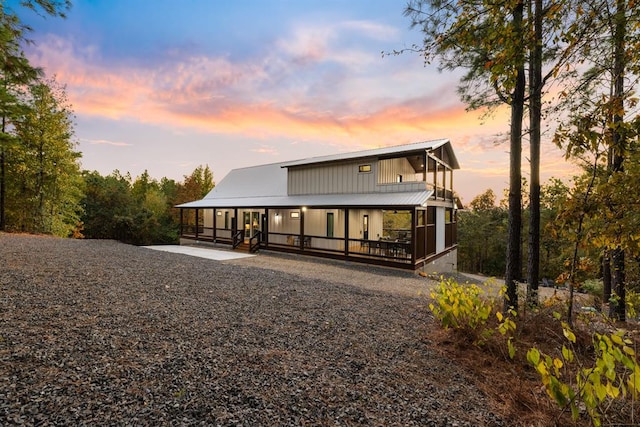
242	247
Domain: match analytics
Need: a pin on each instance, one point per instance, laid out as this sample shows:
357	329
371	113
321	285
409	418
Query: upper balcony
416	172
411	168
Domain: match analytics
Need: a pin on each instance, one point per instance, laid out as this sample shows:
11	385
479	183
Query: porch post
346	232
235	221
435	181
197	222
444	183
301	229
214	224
266	227
414	234
425	169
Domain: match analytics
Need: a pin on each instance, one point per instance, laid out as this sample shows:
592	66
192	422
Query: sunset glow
196	83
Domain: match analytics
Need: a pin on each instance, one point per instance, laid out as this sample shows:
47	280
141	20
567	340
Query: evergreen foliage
482	233
15	73
138	211
43	181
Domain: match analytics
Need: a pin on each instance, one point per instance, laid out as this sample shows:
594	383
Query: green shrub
460	306
614	374
633	303
593	287
468	308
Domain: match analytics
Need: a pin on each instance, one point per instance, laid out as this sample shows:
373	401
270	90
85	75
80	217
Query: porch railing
237	238
254	242
391	251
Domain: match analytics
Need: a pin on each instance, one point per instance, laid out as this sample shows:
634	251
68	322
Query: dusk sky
167	85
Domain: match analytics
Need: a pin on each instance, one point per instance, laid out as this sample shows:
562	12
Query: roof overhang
364	200
386	152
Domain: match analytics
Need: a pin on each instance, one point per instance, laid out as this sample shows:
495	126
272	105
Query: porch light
219	213
304	209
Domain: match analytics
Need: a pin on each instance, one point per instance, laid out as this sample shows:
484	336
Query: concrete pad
214	254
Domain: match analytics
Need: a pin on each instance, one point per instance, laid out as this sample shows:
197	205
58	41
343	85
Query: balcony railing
440	193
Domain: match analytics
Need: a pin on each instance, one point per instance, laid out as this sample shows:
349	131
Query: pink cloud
107	142
265	98
218	96
265	150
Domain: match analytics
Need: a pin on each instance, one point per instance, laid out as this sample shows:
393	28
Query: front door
251	225
255	223
246	220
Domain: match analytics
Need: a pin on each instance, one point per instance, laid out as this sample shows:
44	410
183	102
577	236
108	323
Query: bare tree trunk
606	277
535	118
39	220
617	309
3	180
514	262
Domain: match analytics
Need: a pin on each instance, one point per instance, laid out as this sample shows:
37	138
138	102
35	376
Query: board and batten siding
208	218
315	222
345	178
336	178
390	169
356	222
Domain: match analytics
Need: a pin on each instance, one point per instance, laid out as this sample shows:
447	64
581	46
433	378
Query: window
448	216
365	227
294	214
431	215
364	168
329	224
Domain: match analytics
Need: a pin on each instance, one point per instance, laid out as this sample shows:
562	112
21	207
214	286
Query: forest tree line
42	186
571	65
482	234
46	192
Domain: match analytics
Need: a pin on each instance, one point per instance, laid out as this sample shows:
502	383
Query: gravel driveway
98	332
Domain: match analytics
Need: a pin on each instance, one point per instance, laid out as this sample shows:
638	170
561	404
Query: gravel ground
98	332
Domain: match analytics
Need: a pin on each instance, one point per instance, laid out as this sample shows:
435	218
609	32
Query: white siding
315	222
345	178
439	229
375	224
280	221
389	169
315	226
340	178
208	217
356	222
220	218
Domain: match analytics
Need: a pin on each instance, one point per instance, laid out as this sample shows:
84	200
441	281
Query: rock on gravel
98	332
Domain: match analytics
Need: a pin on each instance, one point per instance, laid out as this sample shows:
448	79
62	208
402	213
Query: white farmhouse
392	206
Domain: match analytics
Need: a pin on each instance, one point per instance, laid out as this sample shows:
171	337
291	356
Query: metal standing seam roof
414	198
256	181
377	152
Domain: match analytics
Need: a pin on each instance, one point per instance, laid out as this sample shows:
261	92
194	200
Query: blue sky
165	86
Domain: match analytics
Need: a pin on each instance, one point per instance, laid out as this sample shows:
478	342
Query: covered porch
397	236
